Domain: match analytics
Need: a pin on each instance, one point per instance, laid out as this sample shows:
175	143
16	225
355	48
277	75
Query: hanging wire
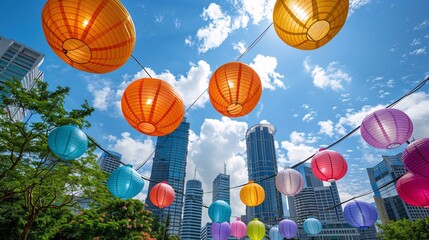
141	66
254	42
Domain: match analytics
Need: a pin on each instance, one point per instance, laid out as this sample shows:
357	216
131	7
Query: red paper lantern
162	195
416	157
414	189
328	165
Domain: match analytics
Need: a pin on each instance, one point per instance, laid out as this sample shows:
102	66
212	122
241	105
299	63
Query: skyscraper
22	63
191	228
221	185
109	162
169	164
262	163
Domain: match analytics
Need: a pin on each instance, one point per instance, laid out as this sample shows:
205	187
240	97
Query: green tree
405	229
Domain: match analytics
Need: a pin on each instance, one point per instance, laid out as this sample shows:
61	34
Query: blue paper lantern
219	211
125	182
312	226
288	228
68	142
275	233
220	231
360	214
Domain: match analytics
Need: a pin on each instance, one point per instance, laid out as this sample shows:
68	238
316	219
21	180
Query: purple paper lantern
288	228
220	231
238	229
289	182
414	189
416	157
360	214
386	128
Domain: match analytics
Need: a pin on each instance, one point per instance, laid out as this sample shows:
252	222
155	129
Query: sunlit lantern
220	231
219	211
312	226
414	190
360	214
309	24
255	230
275	233
235	89
238	229
152	106
125	182
68	142
416	157
288	228
252	194
386	128
162	195
328	165
289	182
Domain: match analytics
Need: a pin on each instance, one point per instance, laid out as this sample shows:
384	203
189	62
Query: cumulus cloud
240	47
309	116
332	77
326	127
265	66
297	148
356	4
257	10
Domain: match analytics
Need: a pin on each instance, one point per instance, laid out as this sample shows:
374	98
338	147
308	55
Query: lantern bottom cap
77	51
147	127
318	30
393	145
331	180
234	108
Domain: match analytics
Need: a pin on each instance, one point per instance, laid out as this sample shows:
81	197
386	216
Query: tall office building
191	228
221	185
389	205
206	233
109	162
169	164
22	63
262	163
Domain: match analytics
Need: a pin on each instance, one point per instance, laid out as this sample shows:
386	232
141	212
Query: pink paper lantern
289	182
416	157
414	189
386	128
238	229
328	165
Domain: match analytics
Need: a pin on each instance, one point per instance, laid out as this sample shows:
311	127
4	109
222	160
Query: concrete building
191	228
109	162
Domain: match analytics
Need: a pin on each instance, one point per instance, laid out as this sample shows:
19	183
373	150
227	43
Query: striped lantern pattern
414	190
289	182
360	214
219	211
125	182
252	194
288	228
416	157
220	231
256	230
328	165
96	36
238	229
152	106
162	195
274	233
68	142
312	226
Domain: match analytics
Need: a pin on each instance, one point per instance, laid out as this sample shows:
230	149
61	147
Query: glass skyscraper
109	162
191	228
169	164
221	185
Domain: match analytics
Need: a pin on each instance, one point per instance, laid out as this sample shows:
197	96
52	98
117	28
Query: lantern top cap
255	219
250	181
164	182
238	219
129	165
322	149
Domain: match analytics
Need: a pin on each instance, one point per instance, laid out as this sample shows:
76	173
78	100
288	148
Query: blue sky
311	97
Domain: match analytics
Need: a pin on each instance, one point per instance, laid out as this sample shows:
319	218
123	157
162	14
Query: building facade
109	162
206	233
192	212
221	185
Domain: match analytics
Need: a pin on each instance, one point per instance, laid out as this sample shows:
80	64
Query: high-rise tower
221	185
109	162
191	227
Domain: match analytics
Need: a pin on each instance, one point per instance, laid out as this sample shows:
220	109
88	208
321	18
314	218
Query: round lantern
219	211
220	231
238	229
416	157
360	214
152	106
328	165
125	182
275	233
95	36
312	226
288	228
162	195
414	190
289	182
256	230
309	24
386	128
68	142
252	194
235	89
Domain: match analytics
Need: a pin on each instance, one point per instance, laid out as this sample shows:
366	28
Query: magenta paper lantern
414	189
386	128
328	165
238	229
289	182
416	157
220	231
288	228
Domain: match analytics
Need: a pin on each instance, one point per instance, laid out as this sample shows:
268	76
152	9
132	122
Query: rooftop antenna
195	173
224	168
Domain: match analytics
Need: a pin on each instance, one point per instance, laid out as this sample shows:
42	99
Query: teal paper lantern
312	226
219	211
125	182
275	233
68	142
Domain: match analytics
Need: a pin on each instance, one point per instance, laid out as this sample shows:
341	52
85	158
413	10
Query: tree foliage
405	229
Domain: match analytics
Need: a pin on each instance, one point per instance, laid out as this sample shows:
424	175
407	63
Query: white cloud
309	116
418	51
265	66
331	77
296	147
240	47
177	23
159	18
353	119
356	4
188	41
422	25
101	91
415	42
257	10
326	127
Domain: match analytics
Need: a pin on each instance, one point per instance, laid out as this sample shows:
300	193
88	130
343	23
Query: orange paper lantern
252	194
162	195
309	24
152	106
95	36
235	89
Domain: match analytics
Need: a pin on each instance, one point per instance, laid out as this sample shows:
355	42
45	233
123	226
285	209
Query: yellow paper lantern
252	194
256	230
235	89
152	106
96	36
309	24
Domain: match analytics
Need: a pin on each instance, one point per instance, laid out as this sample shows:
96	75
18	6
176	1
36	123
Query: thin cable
254	42
141	66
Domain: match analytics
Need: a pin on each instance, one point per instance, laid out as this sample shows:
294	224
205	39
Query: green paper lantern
256	230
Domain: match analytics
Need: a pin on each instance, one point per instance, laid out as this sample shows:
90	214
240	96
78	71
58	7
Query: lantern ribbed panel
309	24
238	229
220	231
252	194
275	233
386	128
256	230
328	166
152	106
416	157
162	195
235	89
360	214
219	211
288	228
414	190
125	182
289	182
68	142
96	36
312	226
